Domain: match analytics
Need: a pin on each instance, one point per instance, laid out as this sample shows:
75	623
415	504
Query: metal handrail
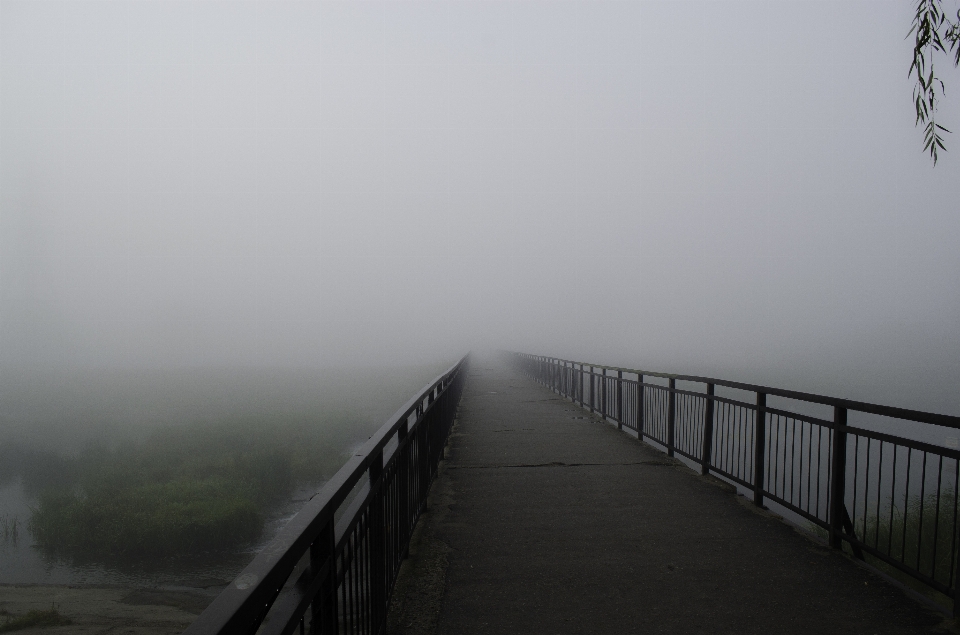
334	589
949	421
886	496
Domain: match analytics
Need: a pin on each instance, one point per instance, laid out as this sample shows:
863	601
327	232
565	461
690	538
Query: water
62	413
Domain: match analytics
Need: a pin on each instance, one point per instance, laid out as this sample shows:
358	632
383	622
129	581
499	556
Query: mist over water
215	211
51	422
67	409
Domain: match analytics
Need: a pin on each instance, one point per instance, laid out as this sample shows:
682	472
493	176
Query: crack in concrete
555	464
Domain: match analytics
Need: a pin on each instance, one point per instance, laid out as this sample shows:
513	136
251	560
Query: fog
710	187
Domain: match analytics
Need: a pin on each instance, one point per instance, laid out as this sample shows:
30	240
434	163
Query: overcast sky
720	186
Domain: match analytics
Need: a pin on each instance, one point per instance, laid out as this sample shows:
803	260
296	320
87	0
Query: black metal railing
892	499
333	567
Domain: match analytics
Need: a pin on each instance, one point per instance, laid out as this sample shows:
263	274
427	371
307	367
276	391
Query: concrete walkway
547	520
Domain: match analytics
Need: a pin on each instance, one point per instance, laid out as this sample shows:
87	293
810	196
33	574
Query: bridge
576	498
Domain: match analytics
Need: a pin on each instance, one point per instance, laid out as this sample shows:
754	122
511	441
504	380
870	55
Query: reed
186	489
10	528
921	533
33	619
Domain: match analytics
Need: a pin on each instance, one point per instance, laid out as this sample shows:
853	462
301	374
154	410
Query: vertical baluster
433	431
603	394
378	577
953	550
671	415
619	408
640	413
591	389
423	457
324	607
403	487
759	445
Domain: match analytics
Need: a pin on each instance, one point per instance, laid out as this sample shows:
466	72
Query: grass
923	536
150	491
920	534
34	618
185	489
146	521
9	528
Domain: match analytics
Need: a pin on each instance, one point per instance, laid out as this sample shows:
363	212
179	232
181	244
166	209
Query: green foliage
186	489
922	536
147	520
9	528
934	32
34	619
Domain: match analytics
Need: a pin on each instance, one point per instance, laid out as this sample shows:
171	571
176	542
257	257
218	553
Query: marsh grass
922	535
41	619
185	489
10	528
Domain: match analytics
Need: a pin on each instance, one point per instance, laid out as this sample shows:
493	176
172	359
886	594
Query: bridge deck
547	520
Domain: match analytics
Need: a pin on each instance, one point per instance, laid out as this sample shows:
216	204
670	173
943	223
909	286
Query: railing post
572	382
378	565
403	487
592	391
640	414
671	415
760	440
619	400
423	459
603	393
436	436
838	476
706	454
956	588
323	610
